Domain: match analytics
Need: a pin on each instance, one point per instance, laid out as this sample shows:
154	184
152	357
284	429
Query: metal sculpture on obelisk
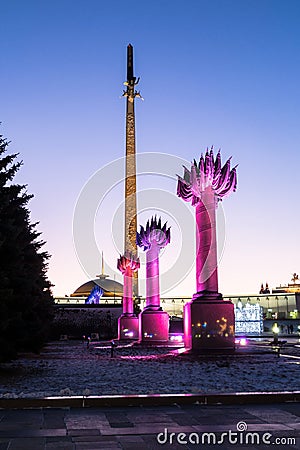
208	319
128	264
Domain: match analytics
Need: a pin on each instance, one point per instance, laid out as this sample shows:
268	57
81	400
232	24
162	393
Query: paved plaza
137	428
200	420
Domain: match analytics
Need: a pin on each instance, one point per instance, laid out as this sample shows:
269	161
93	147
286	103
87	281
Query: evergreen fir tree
26	303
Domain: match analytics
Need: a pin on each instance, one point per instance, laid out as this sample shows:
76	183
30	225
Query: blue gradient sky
223	73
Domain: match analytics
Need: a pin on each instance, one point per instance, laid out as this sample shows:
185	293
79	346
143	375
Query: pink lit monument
208	319
154	322
128	323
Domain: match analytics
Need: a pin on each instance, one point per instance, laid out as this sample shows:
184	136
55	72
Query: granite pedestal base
153	326
209	324
128	327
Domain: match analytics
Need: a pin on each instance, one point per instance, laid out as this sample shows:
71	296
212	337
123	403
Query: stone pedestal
153	326
128	327
209	324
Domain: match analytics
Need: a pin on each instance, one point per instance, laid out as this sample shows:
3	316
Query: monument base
209	324
153	326
128	327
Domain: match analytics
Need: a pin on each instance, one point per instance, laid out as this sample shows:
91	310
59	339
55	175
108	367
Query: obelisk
130	228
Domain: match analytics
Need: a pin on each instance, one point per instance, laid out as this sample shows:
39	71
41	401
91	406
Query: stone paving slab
59	446
28	432
27	443
136	428
84	432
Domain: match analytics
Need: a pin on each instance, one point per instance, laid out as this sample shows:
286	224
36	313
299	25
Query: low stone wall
78	322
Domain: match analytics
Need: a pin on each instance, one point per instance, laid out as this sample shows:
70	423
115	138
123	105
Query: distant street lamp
275	330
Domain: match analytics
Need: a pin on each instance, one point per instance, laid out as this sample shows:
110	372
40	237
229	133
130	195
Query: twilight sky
213	72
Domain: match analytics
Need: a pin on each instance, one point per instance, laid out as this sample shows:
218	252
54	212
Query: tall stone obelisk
130	175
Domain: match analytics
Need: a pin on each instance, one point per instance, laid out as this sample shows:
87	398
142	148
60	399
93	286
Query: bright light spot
180	350
128	333
146	335
176	338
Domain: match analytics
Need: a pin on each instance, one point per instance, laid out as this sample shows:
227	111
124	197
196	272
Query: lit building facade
274	306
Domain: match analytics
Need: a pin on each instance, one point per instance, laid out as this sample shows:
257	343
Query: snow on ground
70	368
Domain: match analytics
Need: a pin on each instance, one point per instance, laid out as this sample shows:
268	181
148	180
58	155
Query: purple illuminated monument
208	319
128	323
153	321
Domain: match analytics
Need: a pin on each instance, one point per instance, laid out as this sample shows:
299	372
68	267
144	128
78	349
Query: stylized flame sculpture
204	185
152	238
128	264
208	173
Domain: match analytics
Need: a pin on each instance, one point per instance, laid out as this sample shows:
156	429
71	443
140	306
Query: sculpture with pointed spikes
153	233
208	173
208	319
154	323
206	183
128	264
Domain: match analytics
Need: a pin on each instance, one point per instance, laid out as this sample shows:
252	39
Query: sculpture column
153	321
128	327
152	276
208	319
206	243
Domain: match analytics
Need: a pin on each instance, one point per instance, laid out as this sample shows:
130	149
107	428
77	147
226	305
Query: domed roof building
111	288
